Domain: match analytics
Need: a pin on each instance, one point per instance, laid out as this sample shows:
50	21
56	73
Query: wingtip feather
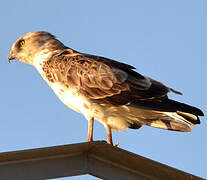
176	92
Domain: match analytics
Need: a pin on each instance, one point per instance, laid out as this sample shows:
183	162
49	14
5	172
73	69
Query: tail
175	121
169	114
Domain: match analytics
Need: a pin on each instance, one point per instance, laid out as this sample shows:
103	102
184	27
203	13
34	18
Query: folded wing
107	81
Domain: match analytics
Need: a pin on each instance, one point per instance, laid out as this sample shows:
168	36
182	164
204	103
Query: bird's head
31	44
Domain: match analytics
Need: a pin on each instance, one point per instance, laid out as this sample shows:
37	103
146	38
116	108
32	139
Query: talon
116	145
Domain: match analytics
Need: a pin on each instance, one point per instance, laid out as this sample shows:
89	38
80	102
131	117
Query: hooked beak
11	56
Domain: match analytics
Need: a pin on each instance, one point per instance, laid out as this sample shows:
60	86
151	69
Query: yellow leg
90	129
109	135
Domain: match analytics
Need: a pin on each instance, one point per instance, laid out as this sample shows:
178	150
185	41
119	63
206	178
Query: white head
30	44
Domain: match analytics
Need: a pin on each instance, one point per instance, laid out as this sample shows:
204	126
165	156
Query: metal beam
96	158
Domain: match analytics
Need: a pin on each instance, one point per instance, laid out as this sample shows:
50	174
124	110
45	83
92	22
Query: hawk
109	91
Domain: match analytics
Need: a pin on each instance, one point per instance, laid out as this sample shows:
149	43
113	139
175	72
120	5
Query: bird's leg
109	135
90	129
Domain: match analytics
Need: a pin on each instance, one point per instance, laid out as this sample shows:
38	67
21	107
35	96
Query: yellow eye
21	43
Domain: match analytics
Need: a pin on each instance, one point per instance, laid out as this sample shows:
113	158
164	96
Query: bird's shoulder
89	68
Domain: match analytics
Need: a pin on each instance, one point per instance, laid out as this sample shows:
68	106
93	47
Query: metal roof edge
96	158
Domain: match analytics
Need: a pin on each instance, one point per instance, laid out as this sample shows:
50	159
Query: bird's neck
40	58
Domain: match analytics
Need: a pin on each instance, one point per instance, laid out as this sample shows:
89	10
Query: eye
21	43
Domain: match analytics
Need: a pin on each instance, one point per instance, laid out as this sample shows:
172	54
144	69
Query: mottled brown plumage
97	78
104	89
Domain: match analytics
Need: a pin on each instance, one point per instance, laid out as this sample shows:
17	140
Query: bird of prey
109	91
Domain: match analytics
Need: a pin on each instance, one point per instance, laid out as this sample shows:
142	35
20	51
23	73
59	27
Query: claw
116	145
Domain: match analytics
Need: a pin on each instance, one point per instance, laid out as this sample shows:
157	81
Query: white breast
69	97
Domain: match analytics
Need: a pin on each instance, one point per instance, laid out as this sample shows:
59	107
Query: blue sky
165	40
